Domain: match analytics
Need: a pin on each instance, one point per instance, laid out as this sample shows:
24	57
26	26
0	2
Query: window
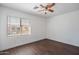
18	26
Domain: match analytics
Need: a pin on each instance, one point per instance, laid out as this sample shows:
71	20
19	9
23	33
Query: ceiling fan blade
52	4
42	6
35	7
51	10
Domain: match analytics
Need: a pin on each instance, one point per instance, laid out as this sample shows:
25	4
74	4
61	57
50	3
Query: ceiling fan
46	8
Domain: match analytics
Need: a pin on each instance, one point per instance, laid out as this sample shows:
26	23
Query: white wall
0	27
38	26
64	28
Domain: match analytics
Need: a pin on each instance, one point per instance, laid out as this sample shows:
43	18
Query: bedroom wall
64	28
38	26
0	27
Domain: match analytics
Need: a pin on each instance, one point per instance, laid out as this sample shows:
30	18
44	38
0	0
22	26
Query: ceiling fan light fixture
46	8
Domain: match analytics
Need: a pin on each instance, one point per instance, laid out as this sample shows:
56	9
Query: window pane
26	29
14	20
13	25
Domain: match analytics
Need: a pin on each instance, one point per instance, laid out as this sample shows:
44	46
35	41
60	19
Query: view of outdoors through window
18	26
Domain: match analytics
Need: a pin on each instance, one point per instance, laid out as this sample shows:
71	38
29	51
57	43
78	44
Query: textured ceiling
59	8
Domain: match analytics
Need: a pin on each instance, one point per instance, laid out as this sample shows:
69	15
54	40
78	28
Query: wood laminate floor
43	47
